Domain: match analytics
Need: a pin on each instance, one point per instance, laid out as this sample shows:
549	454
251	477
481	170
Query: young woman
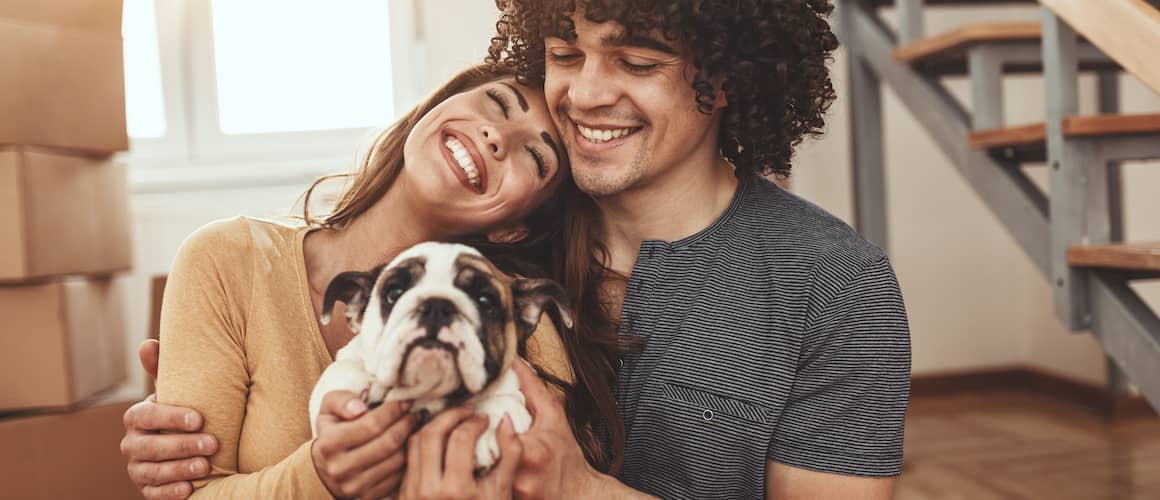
241	340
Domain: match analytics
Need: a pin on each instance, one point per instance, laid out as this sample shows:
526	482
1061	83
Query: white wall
974	299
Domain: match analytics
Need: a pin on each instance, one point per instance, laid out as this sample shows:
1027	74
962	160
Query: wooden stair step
1035	134
954	3
953	44
1126	256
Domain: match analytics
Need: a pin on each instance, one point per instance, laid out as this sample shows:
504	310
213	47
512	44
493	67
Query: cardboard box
61	214
62	76
61	342
70	455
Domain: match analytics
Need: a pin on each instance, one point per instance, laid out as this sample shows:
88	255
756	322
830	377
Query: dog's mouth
429	370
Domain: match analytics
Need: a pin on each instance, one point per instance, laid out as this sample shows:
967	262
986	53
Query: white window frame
195	150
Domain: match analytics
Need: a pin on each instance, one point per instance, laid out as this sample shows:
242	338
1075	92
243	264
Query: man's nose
434	314
593	86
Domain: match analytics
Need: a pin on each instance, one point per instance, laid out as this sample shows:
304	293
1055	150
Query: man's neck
675	206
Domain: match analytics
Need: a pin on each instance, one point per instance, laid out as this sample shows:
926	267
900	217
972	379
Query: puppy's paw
486	451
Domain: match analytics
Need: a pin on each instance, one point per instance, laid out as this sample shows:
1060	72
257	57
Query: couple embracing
730	340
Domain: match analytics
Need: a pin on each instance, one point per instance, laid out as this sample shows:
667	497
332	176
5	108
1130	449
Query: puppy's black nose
436	313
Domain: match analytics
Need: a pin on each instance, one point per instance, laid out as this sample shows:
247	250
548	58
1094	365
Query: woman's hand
441	459
360	453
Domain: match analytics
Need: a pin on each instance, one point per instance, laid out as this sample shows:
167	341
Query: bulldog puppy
439	326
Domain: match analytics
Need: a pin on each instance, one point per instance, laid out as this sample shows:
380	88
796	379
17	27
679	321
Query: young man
775	358
776	352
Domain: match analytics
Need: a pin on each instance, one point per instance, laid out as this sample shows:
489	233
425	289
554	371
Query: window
211	82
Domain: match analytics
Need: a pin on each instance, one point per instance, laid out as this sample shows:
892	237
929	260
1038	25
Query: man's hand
359	452
162	465
553	465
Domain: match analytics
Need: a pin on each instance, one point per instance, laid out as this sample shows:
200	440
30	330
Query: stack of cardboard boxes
64	233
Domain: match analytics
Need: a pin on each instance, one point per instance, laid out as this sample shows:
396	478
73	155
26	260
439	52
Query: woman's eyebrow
519	97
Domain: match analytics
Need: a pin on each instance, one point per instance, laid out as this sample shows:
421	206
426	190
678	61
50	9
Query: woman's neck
373	238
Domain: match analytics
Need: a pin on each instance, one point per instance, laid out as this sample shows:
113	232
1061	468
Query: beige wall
973	297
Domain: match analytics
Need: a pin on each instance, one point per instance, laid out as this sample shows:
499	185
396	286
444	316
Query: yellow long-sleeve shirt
240	344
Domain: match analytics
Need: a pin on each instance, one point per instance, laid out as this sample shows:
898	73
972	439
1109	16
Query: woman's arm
203	362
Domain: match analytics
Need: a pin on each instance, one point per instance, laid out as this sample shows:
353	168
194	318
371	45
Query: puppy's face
440	321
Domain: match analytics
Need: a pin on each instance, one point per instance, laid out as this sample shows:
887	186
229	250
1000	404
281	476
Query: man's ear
531	297
720	100
353	289
508	235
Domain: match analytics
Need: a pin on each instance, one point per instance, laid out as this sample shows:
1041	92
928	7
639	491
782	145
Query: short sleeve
846	410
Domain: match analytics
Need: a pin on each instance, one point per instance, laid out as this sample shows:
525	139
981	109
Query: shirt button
620	363
707	415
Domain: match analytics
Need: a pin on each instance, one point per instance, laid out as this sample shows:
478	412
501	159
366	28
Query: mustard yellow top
240	344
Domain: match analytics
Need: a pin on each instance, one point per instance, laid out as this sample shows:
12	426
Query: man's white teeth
463	158
603	135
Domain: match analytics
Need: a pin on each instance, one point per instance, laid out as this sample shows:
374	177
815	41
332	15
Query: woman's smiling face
484	158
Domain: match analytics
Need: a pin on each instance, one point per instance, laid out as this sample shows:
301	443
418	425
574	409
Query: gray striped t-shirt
777	333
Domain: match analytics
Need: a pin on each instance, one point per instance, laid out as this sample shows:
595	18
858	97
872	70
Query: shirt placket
634	313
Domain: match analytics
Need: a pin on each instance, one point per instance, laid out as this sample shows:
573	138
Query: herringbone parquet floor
1015	445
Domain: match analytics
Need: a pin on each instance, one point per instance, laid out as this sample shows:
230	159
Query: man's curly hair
770	54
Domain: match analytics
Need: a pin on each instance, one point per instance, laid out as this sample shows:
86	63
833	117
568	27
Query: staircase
1075	235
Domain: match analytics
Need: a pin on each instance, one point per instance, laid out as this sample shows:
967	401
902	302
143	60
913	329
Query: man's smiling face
625	107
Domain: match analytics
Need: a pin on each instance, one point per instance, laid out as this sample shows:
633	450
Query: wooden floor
1015	445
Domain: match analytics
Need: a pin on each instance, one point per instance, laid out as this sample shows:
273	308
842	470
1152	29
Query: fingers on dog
537	397
387	447
461	460
387	444
344	404
440	426
510	452
369	478
382	418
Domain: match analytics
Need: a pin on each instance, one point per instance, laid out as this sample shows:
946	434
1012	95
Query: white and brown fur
437	300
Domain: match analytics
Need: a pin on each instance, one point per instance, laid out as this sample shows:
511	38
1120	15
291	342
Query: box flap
13	237
94	15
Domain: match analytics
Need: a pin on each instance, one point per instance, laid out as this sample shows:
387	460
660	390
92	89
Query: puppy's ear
532	296
352	288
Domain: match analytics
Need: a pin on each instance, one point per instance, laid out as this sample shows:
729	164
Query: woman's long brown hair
563	244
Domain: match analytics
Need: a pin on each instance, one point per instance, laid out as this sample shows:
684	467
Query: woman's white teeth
603	135
463	158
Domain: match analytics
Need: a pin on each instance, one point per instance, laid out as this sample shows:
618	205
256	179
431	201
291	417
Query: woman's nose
493	139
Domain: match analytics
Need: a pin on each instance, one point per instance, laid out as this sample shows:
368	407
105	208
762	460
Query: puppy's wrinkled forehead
443	265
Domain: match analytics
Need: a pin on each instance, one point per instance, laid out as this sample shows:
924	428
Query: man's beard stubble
602	180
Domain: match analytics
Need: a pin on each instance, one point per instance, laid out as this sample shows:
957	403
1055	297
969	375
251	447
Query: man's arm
783	482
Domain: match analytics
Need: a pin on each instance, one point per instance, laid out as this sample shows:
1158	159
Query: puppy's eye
486	301
393	294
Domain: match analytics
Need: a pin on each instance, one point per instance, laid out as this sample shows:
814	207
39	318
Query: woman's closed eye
501	101
541	165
